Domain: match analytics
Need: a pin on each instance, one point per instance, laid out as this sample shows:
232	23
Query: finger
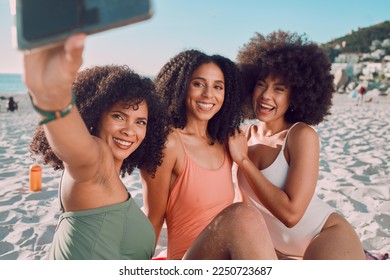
74	47
33	62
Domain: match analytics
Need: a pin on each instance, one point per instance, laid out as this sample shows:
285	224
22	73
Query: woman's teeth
122	142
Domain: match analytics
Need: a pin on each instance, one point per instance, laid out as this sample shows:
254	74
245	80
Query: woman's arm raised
49	74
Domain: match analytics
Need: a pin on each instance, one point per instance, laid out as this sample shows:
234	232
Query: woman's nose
266	93
206	92
128	130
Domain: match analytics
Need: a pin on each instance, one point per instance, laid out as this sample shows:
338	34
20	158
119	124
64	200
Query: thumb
74	47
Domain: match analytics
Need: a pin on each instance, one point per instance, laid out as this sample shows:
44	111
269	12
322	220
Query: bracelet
53	115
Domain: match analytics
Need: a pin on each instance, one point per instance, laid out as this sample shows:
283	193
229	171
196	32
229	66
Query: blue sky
213	26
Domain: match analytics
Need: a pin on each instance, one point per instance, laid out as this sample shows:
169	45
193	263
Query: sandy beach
354	178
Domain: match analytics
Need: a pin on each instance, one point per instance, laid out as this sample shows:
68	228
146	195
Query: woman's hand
238	147
49	73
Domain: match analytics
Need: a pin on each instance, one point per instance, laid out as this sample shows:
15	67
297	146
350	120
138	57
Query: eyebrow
123	113
281	84
203	79
276	84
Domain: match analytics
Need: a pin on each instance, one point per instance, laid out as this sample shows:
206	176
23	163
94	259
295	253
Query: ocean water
11	84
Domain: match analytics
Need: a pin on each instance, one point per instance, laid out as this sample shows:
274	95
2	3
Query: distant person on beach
12	105
96	125
360	96
193	190
289	87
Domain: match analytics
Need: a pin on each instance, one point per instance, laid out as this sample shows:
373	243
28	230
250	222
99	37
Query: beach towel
371	256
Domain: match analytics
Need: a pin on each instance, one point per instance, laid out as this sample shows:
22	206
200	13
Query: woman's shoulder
245	127
173	138
302	132
173	153
173	146
249	129
301	127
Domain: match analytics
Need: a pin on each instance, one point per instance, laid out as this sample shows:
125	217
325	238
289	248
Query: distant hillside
358	41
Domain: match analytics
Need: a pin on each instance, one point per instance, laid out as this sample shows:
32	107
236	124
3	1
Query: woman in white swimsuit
290	88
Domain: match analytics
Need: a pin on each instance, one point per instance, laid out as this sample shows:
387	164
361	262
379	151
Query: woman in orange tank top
192	190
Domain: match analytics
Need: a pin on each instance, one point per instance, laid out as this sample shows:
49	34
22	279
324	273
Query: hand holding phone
43	23
49	73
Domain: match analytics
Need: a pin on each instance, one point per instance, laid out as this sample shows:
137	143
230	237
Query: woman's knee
244	217
338	223
337	240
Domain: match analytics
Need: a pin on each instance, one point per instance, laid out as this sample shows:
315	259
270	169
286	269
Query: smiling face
271	99
206	92
123	128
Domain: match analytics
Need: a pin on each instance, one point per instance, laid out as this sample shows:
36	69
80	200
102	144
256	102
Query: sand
354	178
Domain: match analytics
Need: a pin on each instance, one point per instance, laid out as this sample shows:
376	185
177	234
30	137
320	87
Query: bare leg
238	232
337	241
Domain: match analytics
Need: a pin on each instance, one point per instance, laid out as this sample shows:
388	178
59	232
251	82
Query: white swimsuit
288	241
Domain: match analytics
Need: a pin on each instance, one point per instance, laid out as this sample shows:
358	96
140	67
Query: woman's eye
142	123
280	89
260	84
218	87
117	116
198	84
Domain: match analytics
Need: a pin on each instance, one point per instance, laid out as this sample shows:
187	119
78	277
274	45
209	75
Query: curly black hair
97	89
173	81
300	63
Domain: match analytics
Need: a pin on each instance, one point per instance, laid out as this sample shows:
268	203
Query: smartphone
45	23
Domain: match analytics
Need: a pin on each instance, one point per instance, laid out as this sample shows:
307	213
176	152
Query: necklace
271	135
275	133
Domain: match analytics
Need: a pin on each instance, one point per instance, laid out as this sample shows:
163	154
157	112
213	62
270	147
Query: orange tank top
197	196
